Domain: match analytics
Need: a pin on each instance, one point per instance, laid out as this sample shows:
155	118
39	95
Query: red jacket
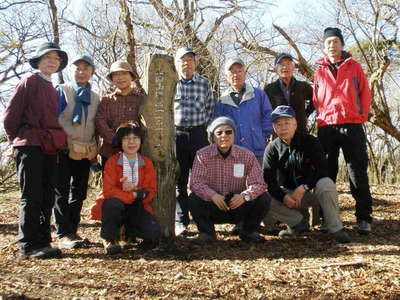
112	185
346	99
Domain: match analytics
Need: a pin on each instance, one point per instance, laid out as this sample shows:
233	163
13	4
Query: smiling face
333	48
82	72
285	69
131	145
236	76
122	80
186	65
223	137
285	128
49	63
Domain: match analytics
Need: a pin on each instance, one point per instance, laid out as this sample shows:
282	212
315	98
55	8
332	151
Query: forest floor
311	266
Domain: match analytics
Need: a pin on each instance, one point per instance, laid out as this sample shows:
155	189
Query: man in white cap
78	108
249	107
193	111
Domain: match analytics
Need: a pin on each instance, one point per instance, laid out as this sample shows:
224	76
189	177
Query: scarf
131	172
82	100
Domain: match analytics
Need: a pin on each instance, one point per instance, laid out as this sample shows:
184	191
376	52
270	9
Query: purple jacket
32	107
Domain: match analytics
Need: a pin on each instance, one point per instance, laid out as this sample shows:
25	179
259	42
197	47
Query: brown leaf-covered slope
306	267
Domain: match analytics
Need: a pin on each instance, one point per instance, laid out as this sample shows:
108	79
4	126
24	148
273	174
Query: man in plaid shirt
227	185
193	111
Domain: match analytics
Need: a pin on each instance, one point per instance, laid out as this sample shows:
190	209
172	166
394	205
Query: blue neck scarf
82	100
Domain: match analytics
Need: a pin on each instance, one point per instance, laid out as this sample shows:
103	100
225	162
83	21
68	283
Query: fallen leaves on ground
312	266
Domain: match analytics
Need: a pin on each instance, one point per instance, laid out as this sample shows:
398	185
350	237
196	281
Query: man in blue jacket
249	107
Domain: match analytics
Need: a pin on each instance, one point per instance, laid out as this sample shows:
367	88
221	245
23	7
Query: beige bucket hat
120	65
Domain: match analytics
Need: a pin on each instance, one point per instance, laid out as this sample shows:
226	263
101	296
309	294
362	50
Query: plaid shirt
194	102
239	172
114	110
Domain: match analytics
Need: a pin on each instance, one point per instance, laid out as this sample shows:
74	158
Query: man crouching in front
227	186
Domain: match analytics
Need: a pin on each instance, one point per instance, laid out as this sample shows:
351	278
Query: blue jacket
252	118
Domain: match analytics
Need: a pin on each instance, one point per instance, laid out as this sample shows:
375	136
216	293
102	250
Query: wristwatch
306	187
246	197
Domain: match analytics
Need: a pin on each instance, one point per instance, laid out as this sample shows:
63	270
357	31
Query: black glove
141	194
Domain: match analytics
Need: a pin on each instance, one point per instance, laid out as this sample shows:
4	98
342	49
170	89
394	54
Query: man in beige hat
122	106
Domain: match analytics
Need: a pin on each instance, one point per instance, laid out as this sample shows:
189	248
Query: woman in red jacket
129	185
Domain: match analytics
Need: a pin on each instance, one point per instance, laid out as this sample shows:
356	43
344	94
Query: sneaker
204	239
80	239
68	242
41	253
128	243
297	229
341	237
112	247
364	227
251	237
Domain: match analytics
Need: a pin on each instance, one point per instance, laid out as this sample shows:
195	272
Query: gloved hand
141	194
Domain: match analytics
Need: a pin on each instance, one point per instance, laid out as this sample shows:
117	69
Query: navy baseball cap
182	51
281	56
282	111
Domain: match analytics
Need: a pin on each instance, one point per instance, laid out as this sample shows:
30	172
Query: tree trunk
159	82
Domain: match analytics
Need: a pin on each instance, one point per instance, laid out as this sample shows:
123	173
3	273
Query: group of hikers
246	158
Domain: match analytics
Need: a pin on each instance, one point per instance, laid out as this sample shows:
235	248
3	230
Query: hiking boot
341	237
236	230
148	245
204	239
251	237
297	229
112	247
41	253
364	227
68	242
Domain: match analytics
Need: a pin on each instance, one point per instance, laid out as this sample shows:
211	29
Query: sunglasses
227	132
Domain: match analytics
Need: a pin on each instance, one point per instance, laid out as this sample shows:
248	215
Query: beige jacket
81	137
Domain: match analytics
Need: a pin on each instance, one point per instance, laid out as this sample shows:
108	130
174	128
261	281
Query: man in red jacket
342	99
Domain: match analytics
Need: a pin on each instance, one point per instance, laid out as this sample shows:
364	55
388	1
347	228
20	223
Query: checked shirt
194	102
212	174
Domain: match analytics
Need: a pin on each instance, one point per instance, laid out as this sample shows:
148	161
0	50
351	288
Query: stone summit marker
159	82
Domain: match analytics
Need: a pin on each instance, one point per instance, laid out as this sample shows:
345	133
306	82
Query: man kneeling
295	170
227	186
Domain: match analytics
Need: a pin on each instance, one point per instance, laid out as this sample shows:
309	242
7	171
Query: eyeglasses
227	132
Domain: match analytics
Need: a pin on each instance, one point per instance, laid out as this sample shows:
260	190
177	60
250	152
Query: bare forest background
109	30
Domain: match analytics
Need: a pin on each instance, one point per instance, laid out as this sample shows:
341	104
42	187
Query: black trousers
187	144
206	213
351	139
70	192
36	175
138	221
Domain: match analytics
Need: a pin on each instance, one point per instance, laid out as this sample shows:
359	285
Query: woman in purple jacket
30	122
